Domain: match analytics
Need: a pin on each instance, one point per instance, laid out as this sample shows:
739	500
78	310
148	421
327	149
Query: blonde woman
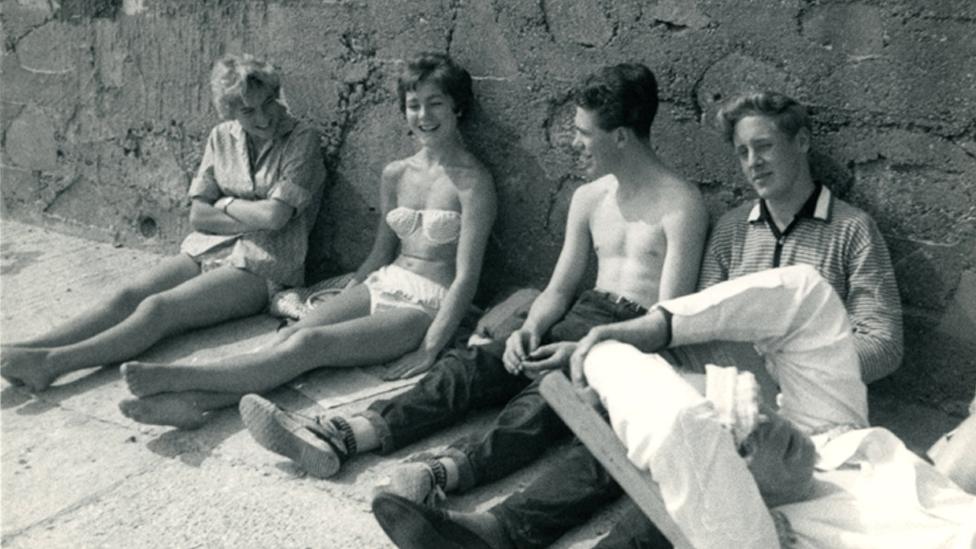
405	300
254	199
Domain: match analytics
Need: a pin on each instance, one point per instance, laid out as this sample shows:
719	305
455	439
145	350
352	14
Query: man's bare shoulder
591	193
684	193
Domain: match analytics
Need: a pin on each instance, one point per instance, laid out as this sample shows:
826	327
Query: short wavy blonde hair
236	76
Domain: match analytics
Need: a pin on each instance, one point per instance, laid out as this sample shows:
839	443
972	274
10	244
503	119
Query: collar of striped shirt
818	206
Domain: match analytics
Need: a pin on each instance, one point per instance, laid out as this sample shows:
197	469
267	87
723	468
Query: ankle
365	434
451	473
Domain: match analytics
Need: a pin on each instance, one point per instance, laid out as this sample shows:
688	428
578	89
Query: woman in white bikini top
439	226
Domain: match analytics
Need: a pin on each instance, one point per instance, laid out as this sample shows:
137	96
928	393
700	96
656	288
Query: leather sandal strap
332	435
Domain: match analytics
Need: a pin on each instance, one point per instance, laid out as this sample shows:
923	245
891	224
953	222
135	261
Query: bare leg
183	410
361	341
108	312
204	300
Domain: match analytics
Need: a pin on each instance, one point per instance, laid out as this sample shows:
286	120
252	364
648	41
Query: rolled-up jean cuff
466	479
381	428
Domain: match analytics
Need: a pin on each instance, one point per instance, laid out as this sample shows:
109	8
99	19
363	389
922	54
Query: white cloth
798	324
671	431
870	491
880	495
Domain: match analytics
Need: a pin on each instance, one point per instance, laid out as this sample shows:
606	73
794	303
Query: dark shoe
414	526
414	481
316	445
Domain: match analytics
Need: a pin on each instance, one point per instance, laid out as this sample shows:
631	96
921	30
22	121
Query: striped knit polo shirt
843	243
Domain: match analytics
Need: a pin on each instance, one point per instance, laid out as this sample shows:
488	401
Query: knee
126	299
158	307
611	355
305	338
806	279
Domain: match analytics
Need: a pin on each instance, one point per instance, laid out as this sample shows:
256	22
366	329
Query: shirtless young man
647	227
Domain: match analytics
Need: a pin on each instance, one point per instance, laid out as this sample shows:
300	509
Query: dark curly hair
623	95
438	69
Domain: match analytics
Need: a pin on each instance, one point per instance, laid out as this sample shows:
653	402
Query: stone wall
105	109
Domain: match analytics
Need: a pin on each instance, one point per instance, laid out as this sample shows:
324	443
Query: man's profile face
782	461
595	146
770	160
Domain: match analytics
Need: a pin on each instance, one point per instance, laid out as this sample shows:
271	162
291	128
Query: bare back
635	229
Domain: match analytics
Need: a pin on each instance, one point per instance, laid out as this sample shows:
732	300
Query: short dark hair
788	115
441	70
623	95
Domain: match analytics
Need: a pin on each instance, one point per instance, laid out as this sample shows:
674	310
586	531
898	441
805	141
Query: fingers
517	349
576	361
513	364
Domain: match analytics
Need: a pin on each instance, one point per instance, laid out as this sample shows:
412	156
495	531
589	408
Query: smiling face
596	147
782	461
431	114
772	162
258	113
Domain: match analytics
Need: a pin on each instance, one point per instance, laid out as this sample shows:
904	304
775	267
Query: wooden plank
603	443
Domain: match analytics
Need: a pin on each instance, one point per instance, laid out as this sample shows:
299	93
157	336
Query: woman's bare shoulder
394	170
469	173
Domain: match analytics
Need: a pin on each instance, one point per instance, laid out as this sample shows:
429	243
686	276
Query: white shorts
393	287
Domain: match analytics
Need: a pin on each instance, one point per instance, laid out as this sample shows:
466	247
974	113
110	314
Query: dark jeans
577	486
473	378
566	495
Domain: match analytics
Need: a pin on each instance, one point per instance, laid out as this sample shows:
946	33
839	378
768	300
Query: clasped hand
524	355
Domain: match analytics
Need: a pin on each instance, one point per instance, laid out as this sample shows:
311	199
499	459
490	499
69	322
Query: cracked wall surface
105	110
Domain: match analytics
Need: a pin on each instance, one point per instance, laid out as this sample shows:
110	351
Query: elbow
466	281
277	222
276	219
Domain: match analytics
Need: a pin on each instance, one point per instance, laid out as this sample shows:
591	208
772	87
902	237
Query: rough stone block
927	78
412	27
682	13
30	141
476	33
583	23
20	189
856	30
52	48
21	16
917	202
735	74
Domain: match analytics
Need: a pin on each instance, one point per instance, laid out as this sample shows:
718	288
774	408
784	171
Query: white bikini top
439	226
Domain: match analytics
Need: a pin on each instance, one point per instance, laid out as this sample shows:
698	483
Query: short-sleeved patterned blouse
290	169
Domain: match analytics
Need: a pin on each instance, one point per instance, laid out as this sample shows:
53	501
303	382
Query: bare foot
29	367
148	378
172	409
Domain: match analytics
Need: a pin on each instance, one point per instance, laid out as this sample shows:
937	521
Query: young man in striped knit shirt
794	221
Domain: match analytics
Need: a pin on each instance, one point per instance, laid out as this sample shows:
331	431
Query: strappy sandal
319	446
